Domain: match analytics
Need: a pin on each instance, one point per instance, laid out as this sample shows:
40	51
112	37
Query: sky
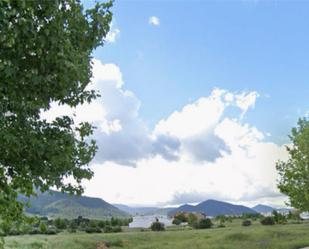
197	100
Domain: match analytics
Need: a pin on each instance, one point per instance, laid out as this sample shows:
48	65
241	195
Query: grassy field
292	236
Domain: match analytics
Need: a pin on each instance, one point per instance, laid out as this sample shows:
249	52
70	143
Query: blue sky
199	45
198	102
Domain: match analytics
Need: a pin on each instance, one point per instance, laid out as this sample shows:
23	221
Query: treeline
197	221
44	225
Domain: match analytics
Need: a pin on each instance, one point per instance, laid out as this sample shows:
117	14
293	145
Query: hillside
143	210
263	208
214	208
56	204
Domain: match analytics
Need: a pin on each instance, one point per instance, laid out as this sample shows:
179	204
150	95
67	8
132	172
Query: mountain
143	210
214	208
263	208
56	204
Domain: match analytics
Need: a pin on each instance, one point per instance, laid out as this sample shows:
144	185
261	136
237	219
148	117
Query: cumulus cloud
155	21
199	152
112	35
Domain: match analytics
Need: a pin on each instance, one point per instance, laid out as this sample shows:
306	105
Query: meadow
233	236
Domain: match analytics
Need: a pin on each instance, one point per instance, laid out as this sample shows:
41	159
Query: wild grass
233	236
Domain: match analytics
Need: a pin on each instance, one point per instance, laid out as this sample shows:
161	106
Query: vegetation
55	204
234	236
45	56
294	172
47	226
268	221
157	226
279	218
203	224
246	223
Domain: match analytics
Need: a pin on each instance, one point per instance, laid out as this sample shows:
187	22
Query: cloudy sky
197	100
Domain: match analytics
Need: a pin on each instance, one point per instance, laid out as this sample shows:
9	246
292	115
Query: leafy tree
176	221
181	216
279	218
204	223
294	173
192	219
60	223
157	226
268	221
43	228
45	57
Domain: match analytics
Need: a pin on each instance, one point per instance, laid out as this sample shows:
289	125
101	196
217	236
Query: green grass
292	236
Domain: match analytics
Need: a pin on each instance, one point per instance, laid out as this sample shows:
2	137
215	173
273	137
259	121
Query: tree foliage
294	173
45	57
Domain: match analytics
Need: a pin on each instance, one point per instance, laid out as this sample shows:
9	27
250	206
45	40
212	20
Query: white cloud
196	153
153	20
113	34
245	101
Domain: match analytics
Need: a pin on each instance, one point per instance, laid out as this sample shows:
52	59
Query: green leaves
294	173
45	56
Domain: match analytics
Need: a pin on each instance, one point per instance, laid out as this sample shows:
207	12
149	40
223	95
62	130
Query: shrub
34	231
204	223
157	226
60	223
108	229
192	219
93	230
181	216
51	231
268	221
14	232
246	223
221	225
101	224
176	221
117	229
43	228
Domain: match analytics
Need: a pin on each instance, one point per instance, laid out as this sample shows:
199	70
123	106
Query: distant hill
56	204
214	208
263	208
143	210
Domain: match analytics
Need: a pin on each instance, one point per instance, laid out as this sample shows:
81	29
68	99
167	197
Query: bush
51	231
157	226
93	230
117	229
268	221
60	223
108	229
246	223
181	216
14	232
203	224
221	225
34	231
43	228
176	221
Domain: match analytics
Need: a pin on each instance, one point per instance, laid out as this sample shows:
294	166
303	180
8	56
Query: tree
192	219
45	57
157	226
294	173
60	224
43	228
204	223
268	221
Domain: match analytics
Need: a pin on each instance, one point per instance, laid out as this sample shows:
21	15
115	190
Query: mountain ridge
55	204
214	208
